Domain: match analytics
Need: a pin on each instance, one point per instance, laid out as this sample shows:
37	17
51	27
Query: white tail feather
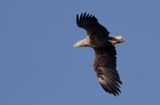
117	39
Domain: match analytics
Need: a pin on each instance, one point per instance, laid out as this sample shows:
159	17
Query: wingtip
77	19
85	18
113	91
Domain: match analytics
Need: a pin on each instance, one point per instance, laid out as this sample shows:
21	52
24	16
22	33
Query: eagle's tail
116	39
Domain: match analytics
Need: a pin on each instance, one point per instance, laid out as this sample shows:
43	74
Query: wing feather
105	67
91	25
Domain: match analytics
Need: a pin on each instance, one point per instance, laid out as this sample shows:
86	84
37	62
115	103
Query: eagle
105	52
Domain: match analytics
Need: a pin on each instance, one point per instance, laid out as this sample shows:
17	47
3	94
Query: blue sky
39	66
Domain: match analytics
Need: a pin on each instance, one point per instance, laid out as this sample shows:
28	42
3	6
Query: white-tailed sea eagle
105	53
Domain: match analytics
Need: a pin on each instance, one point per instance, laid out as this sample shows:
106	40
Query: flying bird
105	52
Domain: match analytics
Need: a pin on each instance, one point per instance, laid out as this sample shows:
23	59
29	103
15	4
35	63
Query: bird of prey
105	53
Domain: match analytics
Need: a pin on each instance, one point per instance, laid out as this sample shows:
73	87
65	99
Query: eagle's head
83	43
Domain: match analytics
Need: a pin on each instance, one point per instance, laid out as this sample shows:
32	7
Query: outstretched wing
105	67
91	25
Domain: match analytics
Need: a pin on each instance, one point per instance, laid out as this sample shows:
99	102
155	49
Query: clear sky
39	66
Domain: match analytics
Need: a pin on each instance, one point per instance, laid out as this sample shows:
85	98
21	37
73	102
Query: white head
83	43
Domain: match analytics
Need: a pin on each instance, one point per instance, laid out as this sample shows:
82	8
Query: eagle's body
105	53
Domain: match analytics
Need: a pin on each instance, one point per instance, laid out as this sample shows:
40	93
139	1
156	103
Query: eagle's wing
91	25
105	67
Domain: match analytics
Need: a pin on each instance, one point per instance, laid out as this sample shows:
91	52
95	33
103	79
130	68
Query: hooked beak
83	43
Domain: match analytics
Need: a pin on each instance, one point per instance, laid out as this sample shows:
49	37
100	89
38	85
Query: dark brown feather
96	31
105	67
